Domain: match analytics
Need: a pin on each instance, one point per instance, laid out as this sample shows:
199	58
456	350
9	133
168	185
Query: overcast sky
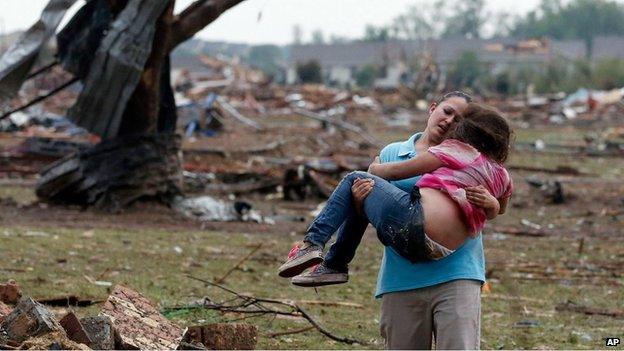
272	21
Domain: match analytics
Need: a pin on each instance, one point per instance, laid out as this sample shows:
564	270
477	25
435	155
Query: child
432	221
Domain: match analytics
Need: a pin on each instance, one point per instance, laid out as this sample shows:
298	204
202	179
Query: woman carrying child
433	219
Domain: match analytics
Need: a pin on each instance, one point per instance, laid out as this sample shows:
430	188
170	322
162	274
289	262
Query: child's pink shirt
464	166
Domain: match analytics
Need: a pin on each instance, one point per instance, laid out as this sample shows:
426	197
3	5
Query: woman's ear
432	107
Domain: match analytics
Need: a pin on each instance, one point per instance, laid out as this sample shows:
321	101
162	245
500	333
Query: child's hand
359	190
480	196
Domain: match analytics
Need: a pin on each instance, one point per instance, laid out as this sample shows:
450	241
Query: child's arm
423	163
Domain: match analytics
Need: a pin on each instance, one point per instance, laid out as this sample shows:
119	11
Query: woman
418	299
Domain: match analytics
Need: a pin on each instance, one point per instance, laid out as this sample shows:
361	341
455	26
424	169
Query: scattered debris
573	307
28	319
224	336
527	323
67	301
138	323
551	189
10	292
100	331
74	329
259	306
206	208
4	310
52	341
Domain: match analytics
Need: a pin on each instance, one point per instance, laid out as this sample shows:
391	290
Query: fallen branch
289	332
227	152
512	298
518	232
246	303
572	307
340	124
238	264
237	115
243	187
40	98
14	270
559	170
331	303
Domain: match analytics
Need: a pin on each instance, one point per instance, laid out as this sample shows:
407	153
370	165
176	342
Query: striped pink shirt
464	166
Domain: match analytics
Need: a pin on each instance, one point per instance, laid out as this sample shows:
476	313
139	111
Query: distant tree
466	71
365	76
578	19
297	33
502	24
609	73
310	72
553	78
374	34
338	39
418	22
318	37
467	19
267	59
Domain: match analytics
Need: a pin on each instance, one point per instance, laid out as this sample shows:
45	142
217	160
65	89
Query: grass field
518	312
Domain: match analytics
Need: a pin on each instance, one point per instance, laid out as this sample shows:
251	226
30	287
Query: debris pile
127	320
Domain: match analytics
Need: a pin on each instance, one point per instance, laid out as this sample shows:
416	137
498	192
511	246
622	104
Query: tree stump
115	173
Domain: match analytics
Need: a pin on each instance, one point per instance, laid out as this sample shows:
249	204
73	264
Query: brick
10	292
100	331
74	329
4	310
138	323
28	319
224	336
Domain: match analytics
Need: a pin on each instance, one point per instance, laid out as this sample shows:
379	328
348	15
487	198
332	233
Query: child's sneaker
300	259
321	275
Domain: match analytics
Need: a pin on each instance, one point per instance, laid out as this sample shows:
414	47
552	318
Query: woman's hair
486	130
450	94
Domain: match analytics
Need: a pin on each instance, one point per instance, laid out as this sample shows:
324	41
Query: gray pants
450	311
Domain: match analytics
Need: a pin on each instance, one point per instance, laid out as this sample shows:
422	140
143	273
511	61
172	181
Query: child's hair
486	130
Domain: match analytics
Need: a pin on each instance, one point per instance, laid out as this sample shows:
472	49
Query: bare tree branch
256	302
196	16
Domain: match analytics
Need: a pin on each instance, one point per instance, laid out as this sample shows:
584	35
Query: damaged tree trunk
115	173
139	158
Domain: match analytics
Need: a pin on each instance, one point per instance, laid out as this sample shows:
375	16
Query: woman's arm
423	163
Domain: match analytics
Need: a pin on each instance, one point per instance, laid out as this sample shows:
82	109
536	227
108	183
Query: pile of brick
127	320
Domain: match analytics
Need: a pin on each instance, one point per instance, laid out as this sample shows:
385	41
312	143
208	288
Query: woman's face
443	117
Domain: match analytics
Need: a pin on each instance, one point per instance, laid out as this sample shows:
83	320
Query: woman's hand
359	191
373	168
480	196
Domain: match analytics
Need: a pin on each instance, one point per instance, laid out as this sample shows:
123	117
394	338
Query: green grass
148	262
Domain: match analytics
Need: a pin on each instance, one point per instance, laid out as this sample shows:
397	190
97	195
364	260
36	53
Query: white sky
243	24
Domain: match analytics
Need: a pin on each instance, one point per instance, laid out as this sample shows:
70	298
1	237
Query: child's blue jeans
396	214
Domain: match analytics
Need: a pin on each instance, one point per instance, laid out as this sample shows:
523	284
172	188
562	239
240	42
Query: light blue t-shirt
398	274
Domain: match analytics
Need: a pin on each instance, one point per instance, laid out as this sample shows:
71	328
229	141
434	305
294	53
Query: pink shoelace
293	251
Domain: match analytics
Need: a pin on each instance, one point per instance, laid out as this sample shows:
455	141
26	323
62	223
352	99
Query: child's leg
348	239
338	208
337	211
385	206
